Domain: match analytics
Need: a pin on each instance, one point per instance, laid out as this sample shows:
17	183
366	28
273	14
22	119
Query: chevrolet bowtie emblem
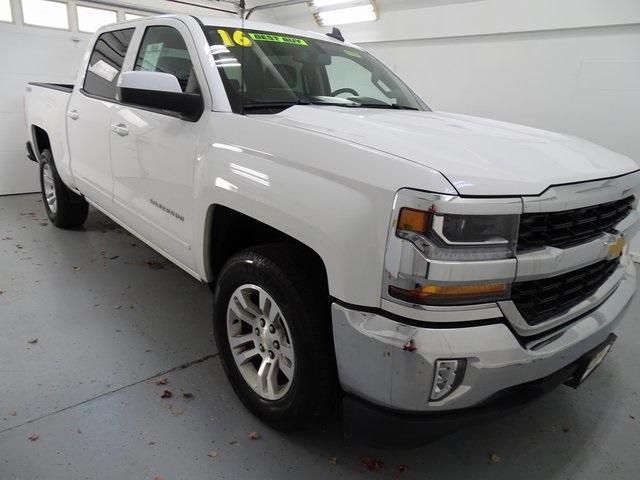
616	248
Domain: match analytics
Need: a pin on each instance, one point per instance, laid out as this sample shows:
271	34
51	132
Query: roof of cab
267	27
231	22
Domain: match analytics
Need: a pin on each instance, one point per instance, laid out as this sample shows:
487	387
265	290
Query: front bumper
376	425
374	366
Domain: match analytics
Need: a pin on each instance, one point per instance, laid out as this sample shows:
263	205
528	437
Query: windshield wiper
273	105
390	107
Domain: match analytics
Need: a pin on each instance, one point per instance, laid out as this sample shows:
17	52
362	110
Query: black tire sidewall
277	413
72	209
47	159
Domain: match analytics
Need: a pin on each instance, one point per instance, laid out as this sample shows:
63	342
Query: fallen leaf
371	464
44	224
234	442
1	292
117	307
212	454
153	265
76	269
32	340
187	394
166	394
175	412
566	429
162	381
13	413
158	477
494	458
402	468
254	436
410	346
632	417
152	443
33	437
333	461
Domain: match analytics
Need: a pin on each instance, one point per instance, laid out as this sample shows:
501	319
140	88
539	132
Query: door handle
120	128
73	114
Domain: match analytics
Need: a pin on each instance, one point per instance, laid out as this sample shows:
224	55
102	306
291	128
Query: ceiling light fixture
342	12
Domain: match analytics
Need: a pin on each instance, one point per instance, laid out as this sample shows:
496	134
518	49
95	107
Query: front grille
571	227
540	300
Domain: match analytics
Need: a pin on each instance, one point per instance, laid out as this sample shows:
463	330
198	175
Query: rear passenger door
153	156
89	112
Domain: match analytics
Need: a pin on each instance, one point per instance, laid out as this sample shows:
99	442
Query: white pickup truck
425	268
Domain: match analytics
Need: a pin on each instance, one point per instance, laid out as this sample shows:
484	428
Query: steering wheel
340	91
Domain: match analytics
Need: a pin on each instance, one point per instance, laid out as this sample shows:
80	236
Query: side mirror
160	91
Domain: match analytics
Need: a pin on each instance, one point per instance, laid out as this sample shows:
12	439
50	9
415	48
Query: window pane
164	50
261	67
106	62
344	73
5	11
45	13
132	16
91	19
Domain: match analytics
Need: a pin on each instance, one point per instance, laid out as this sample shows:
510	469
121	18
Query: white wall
585	82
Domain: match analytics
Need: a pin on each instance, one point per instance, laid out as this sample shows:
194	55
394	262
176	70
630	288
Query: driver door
153	151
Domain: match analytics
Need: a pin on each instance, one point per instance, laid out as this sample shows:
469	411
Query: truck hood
478	156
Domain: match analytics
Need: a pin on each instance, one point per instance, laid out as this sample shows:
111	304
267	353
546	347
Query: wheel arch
243	231
41	140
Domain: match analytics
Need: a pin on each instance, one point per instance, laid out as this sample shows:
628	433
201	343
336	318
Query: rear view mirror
311	57
160	91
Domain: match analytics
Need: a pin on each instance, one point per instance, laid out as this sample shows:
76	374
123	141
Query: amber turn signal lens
413	220
432	293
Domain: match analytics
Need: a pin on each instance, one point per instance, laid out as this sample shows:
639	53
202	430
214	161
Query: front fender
332	196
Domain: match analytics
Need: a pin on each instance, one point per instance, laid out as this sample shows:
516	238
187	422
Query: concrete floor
110	315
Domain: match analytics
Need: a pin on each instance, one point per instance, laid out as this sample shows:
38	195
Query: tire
302	325
65	208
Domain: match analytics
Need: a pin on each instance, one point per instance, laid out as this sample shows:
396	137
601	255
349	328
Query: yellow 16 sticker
238	38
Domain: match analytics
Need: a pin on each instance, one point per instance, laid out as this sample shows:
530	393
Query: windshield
266	72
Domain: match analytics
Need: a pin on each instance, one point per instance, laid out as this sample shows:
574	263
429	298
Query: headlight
442	236
439	232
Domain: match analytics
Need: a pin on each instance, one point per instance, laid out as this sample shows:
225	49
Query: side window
163	50
106	62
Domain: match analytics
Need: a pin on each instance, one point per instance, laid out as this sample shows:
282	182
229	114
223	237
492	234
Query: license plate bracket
590	362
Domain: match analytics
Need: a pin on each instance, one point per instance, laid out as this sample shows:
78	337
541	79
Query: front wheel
65	208
273	333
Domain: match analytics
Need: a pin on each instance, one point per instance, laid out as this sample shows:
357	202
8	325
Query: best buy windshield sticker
239	38
270	37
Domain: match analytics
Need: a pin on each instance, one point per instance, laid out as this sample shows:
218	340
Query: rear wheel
272	328
65	208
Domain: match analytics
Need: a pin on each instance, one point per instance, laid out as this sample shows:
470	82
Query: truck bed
45	109
63	87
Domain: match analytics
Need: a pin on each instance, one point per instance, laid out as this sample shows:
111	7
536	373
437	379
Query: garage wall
47	55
